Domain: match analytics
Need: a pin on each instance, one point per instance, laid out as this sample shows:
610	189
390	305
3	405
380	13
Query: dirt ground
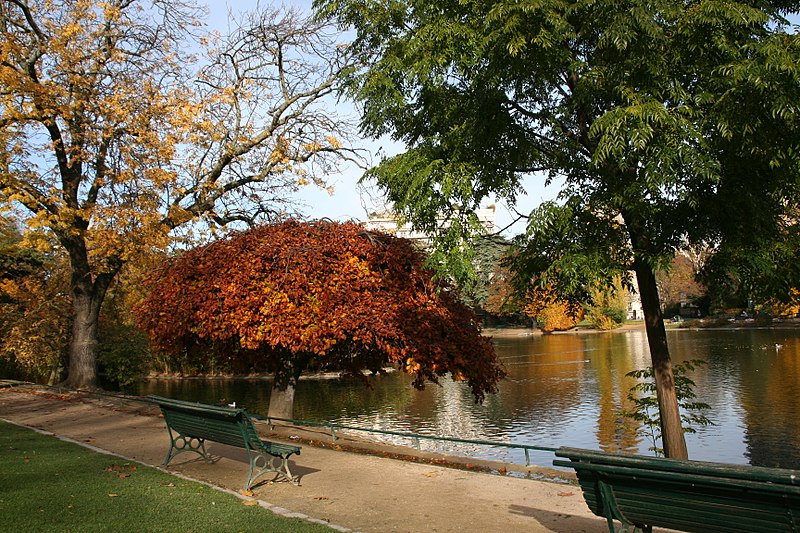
350	490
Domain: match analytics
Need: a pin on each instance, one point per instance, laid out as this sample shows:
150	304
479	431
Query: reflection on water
566	390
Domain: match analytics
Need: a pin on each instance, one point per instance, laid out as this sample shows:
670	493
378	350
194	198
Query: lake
565	390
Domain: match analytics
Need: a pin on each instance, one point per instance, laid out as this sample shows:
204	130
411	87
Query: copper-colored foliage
331	293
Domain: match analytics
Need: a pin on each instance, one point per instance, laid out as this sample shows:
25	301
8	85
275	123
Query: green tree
659	116
116	139
645	404
489	252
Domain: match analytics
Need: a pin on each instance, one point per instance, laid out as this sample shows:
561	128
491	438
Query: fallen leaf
112	495
170	484
118	468
245	492
566	494
249	502
123	475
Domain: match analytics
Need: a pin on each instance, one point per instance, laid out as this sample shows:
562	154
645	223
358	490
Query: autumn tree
662	119
501	297
783	309
551	312
678	283
34	317
607	307
116	139
290	296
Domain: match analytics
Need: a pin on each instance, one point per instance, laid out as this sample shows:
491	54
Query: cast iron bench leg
182	443
262	463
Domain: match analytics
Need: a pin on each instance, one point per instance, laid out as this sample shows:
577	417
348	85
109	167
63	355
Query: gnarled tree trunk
87	299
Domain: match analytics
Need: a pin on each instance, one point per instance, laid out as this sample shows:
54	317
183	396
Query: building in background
390	223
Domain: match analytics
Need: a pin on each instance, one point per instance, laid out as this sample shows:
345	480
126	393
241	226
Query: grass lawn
50	485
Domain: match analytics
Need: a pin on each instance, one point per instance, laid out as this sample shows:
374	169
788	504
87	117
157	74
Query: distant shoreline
688	325
530	332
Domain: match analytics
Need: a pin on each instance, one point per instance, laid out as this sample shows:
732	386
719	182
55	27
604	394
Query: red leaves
121	471
349	299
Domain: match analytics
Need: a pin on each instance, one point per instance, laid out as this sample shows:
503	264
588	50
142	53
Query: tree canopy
123	124
290	296
659	116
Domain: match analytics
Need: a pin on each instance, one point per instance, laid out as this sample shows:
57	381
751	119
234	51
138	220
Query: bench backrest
220	424
687	495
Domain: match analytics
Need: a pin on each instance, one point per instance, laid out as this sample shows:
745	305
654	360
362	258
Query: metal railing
333	426
415	437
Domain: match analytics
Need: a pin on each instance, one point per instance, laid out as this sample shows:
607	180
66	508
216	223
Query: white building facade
389	223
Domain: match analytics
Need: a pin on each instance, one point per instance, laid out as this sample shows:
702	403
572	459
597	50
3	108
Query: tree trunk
281	400
672	437
56	374
83	343
88	293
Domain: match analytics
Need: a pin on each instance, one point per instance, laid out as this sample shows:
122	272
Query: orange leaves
552	313
317	290
121	471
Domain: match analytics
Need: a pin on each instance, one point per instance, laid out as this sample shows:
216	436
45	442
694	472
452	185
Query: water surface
566	390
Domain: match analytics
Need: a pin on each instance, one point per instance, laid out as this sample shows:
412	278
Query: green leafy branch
645	403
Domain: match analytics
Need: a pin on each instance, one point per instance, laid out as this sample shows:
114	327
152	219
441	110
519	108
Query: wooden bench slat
679	511
665	475
756	473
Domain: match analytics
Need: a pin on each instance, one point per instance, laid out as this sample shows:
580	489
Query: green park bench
643	492
190	424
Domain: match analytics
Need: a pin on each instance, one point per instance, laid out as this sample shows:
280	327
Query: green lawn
50	485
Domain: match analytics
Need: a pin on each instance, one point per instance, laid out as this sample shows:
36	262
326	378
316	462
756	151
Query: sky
348	201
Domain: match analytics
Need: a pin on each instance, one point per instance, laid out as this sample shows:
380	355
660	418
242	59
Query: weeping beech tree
292	296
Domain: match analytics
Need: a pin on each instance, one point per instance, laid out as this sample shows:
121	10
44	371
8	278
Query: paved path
353	491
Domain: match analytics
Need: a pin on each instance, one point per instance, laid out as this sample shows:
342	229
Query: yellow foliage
115	150
333	142
34	322
551	312
556	317
784	310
